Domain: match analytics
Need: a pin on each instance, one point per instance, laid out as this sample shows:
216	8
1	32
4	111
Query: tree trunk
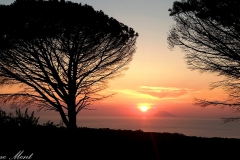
72	116
63	116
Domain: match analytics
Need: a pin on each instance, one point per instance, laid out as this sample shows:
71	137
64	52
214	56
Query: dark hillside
85	143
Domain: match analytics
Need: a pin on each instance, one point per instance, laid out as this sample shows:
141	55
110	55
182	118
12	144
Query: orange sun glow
143	108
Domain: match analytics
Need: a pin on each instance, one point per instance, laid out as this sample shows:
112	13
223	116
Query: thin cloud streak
167	92
158	93
136	94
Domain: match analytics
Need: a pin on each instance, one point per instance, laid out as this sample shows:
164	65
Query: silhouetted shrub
26	120
23	120
50	124
3	117
6	120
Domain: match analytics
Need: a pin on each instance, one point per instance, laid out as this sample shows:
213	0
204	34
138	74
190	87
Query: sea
200	127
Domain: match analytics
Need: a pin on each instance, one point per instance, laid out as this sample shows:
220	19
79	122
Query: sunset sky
157	78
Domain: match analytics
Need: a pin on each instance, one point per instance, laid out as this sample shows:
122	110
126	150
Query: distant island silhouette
163	114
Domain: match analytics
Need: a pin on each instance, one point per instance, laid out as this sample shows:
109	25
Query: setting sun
144	108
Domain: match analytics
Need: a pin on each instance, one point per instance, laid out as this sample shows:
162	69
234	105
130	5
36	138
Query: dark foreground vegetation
56	142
